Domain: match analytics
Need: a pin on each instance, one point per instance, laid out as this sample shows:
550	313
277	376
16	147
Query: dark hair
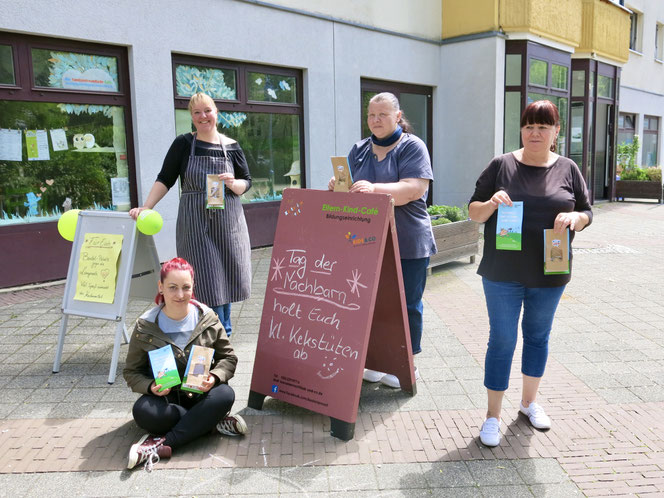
170	265
541	112
394	102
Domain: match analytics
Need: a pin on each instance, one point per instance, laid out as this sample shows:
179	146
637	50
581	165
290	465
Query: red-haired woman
173	417
554	195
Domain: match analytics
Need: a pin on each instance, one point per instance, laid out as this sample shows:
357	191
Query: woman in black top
214	241
554	195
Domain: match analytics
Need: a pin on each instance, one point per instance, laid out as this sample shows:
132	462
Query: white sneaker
392	380
372	375
490	432
536	415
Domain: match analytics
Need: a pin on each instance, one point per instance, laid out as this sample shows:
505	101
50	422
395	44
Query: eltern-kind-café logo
359	241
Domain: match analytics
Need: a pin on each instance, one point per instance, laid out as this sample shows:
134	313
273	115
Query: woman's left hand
228	179
208	383
563	220
362	186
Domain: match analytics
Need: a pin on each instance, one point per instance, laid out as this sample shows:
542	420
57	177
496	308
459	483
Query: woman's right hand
134	212
154	388
331	183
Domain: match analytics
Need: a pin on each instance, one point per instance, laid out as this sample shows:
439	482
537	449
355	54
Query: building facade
642	84
90	104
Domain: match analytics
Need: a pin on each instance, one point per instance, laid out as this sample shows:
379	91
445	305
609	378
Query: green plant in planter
626	154
637	174
447	214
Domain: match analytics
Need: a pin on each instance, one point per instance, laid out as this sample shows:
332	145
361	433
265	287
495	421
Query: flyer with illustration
164	369
215	192
342	176
198	368
508	226
556	252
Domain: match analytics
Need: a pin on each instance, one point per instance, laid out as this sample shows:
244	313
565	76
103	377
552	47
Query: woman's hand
362	186
134	212
331	183
499	198
208	383
574	220
154	388
481	211
228	179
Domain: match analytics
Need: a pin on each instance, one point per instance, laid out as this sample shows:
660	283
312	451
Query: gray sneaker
232	425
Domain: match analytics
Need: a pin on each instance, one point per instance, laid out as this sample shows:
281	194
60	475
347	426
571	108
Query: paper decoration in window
191	79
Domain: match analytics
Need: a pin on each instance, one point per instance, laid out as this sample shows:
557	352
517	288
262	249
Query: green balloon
67	224
149	222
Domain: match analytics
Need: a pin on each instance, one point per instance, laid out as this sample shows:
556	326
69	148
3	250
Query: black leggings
184	421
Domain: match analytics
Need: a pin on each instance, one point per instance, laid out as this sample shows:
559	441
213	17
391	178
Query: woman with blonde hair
215	241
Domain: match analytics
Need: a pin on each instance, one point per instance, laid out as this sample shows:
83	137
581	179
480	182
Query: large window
650	140
626	128
659	42
534	72
64	112
260	107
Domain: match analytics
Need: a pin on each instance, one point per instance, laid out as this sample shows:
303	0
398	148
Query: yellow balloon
149	222
67	224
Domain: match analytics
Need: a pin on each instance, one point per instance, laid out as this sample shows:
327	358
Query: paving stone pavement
68	434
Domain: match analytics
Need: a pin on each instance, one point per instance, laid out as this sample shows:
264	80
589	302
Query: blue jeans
414	279
224	314
504	301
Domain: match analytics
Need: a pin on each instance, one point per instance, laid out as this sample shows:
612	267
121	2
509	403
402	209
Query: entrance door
603	150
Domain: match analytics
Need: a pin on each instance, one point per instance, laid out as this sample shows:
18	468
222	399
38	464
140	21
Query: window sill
659	60
635	52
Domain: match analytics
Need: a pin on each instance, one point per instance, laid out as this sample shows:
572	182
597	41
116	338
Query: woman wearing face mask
214	241
554	196
394	161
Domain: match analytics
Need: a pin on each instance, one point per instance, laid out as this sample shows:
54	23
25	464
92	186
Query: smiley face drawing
328	370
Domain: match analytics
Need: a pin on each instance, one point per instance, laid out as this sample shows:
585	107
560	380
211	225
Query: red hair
177	264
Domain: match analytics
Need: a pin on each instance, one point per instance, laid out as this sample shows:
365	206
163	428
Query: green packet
164	368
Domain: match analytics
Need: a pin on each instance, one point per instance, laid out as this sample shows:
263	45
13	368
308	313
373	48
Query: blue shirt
409	159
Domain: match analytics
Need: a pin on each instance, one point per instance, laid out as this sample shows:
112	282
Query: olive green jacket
147	336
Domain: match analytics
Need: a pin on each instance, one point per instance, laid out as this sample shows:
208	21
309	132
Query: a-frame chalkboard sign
137	275
334	304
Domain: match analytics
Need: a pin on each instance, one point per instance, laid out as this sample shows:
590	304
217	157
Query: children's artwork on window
217	83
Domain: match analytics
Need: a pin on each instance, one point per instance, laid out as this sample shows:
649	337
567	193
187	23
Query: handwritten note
10	145
319	302
98	267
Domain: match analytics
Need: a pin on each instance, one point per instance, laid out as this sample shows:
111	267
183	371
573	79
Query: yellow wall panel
558	20
605	30
465	17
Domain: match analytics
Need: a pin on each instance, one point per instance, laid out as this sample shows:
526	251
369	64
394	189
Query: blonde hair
200	96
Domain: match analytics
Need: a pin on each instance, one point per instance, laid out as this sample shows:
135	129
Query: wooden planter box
455	241
639	190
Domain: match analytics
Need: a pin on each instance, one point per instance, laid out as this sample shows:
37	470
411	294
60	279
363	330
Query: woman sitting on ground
173	417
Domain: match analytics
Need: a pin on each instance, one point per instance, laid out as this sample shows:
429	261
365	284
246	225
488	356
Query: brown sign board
334	303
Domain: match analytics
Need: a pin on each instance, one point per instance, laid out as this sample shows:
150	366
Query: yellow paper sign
98	267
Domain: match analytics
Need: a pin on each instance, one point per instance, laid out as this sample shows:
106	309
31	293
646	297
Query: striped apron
214	241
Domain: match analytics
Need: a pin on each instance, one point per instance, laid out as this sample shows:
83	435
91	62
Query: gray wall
466	77
470	124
